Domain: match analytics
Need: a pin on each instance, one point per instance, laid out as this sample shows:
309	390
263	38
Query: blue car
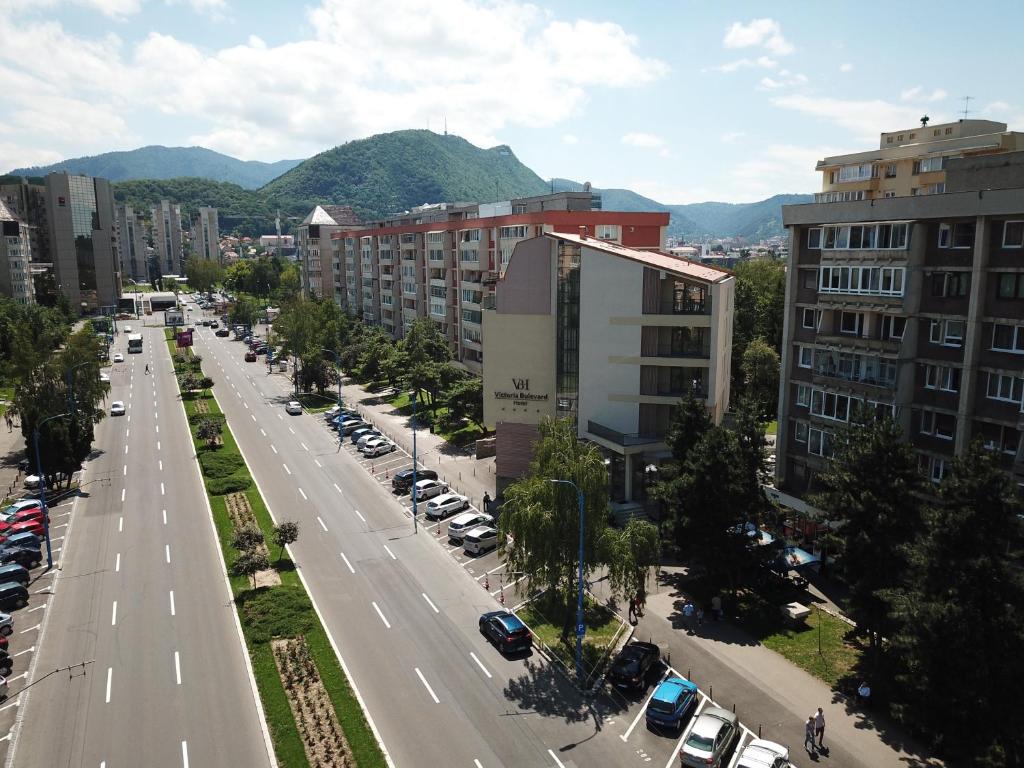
672	701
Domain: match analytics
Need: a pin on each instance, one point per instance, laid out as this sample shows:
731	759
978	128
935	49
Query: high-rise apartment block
206	234
15	258
28	202
167	237
313	248
908	298
131	245
83	240
442	261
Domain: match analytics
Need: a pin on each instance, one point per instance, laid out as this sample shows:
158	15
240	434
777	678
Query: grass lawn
315	403
459	435
799	645
545	617
771	427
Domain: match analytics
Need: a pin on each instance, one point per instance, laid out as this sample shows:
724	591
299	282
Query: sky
680	100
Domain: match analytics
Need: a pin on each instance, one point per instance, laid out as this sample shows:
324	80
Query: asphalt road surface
142	595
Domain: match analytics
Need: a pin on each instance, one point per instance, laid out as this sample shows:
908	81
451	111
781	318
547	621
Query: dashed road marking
431	604
381	614
431	690
322	525
480	664
347	563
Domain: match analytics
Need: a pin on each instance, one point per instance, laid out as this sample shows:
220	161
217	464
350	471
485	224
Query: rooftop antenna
446	125
967	101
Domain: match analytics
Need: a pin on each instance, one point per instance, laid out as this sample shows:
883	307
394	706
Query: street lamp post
42	487
337	365
415	523
581	627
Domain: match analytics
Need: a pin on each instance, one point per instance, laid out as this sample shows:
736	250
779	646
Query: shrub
225	485
219	464
247	537
282	611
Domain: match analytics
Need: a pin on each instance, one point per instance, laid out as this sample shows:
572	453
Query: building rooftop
654	259
6	214
332	215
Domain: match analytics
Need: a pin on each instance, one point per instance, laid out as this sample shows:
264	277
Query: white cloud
645	140
780	168
568	138
765	62
767	82
996	107
911	93
917	93
866	119
358	73
766	33
846	67
937	95
731	137
787	79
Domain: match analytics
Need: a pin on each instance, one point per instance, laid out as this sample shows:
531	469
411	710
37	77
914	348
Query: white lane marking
429	689
37	608
480	664
164	511
318	463
643	709
14	703
110	672
280	417
686	732
125	472
273	448
177	667
120	524
431	604
262	432
291	430
117	563
379	613
286	468
17	677
184	754
158	445
304	446
511	584
126	450
161	463
128	432
252	416
113	615
161	489
303	494
172	603
477	763
22	653
388	550
562	765
122	495
320	520
156	427
167	553
244	403
360	515
337	488
497	568
347	563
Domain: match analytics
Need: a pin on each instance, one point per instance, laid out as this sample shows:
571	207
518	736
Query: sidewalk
12	450
459	468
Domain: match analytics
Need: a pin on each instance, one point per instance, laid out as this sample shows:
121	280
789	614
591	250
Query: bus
135	342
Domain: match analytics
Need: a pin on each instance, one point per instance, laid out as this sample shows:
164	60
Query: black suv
632	667
506	631
402	481
23	557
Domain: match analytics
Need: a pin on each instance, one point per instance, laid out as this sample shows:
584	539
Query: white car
32	481
481	539
365	437
118	357
294	407
761	753
117	408
446	504
428	489
465	523
377	447
104	376
331	412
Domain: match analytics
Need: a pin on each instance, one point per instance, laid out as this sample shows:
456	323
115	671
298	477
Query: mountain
156	162
395	171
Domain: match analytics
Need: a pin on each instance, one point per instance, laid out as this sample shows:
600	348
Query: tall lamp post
42	486
337	365
581	627
415	523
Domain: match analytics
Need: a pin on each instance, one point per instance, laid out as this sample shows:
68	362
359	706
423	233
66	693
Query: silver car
446	504
481	539
711	739
464	523
761	753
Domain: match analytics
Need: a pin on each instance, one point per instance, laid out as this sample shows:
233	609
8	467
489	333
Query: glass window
809	318
1005	387
1013	234
805	356
1007	286
808	278
800	431
814	237
851	322
1007	338
803	395
944	235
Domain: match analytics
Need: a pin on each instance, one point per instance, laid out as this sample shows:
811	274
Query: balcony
685	307
858	371
625	439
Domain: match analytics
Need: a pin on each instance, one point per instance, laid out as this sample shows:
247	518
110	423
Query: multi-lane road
141	597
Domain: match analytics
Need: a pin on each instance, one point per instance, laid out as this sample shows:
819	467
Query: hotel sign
520	393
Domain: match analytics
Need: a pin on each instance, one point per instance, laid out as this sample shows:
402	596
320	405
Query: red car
25	526
24	515
3	642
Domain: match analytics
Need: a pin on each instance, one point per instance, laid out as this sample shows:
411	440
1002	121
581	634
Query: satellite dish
586	186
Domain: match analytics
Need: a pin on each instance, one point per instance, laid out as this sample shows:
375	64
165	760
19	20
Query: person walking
819	727
688	613
632	610
641	602
716	606
809	745
147	369
700	615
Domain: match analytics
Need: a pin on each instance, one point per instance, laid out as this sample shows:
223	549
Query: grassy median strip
281	611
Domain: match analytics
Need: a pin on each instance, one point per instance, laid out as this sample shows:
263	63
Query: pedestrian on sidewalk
819	728
641	602
688	613
632	610
809	745
716	606
10	422
700	616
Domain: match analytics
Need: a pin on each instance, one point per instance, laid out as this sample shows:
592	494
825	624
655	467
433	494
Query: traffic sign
581	630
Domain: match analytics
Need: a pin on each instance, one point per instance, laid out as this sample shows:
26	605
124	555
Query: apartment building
911	162
206	234
15	258
609	336
167	244
911	305
28	202
313	246
442	261
131	245
83	240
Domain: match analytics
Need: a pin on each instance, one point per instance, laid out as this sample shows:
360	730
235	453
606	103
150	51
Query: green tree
209	431
760	303
761	376
690	420
960	620
465	398
286	532
426	349
249	563
202	274
247	538
244	311
630	554
873	486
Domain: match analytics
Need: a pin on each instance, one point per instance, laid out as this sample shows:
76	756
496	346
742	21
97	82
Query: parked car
294	407
20	504
118	357
428	489
6	663
32	481
402	481
348	426
223	333
711	739
3	688
467	521
6	624
332	412
358	433
633	665
250	357
479	540
761	753
446	504
4	642
377	447
24	540
21	526
117	408
14	572
673	700
25	515
104	377
506	631
206	322
13	596
214	324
